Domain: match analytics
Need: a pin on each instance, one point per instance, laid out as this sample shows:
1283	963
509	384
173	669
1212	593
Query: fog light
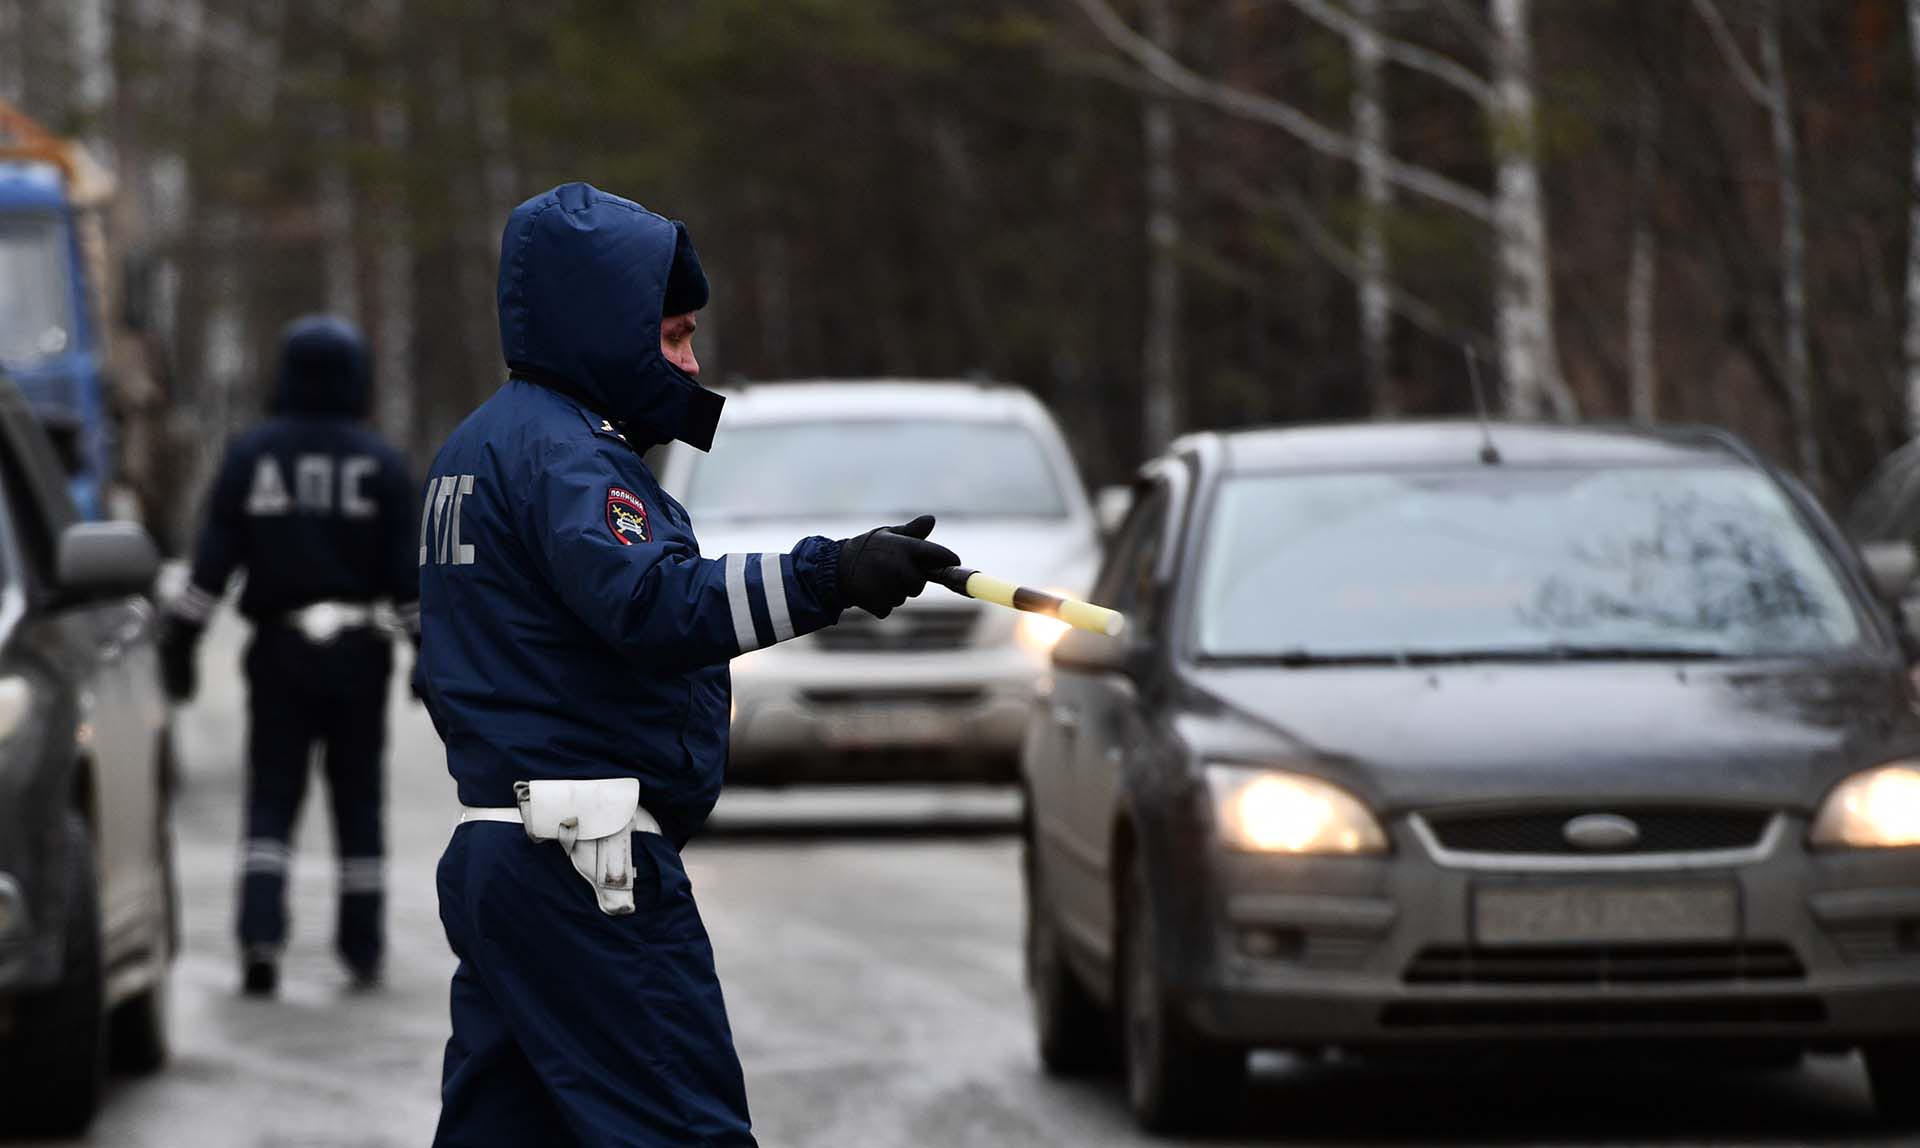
1272	944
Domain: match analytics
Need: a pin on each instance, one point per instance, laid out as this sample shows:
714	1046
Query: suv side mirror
106	560
1891	567
1097	653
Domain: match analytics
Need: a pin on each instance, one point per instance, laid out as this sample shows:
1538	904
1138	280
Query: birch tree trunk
1376	199
1160	415
1793	250
1913	238
1530	364
1643	271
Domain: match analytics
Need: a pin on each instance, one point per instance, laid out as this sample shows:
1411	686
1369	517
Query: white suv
941	689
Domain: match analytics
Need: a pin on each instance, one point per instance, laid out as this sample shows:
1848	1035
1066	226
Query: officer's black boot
261	975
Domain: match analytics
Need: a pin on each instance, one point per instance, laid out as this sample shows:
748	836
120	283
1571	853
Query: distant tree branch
1409	56
1724	39
1164	68
1346	261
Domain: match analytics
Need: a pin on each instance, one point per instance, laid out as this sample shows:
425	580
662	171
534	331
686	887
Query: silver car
940	690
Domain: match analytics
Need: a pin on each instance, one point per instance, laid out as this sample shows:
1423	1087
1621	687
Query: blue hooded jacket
570	626
312	504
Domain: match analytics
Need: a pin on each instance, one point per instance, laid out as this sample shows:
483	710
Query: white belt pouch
594	821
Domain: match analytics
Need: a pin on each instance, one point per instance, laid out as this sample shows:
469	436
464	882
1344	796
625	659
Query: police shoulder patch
626	516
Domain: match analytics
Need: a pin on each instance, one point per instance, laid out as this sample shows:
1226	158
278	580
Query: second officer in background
318	512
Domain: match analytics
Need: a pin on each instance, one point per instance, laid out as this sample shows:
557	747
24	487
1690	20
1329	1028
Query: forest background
1157	214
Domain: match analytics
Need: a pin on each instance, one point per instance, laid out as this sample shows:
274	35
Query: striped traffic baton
1072	611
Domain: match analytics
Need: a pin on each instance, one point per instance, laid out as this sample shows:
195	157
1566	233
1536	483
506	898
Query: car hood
1058	554
1421	737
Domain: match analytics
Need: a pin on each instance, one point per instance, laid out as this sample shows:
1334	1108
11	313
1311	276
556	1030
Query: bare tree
1376	202
1913	237
1769	88
1160	366
1644	267
1517	213
1530	362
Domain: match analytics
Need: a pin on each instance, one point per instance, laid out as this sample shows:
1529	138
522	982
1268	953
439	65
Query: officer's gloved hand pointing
883	568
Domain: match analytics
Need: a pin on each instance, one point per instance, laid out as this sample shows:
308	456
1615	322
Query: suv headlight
1272	811
1875	809
1039	633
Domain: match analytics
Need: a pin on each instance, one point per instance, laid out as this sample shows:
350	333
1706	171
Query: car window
1889	507
36	319
1708	561
1126	584
884	470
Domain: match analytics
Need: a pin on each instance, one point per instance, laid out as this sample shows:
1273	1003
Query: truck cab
53	339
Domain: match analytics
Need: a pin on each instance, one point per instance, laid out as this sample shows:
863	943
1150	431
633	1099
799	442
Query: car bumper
1826	952
803	715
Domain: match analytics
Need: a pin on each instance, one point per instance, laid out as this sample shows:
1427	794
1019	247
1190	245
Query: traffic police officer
574	658
318	511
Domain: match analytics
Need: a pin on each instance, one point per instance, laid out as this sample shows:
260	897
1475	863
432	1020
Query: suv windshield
887	470
36	305
1707	561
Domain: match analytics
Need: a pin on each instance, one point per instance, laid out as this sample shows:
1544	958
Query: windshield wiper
1301	657
1565	652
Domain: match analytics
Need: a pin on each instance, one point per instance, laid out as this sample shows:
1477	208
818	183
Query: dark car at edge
1603	737
86	896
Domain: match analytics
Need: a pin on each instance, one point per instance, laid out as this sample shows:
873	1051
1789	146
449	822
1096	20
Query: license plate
1601	914
870	727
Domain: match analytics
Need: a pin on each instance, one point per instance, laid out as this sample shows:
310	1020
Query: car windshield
880	469
36	303
1497	562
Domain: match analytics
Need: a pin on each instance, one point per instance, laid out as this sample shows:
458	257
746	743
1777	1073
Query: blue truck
55	324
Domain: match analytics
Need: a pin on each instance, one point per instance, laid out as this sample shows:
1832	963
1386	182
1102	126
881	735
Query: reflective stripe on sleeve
735	566
774	581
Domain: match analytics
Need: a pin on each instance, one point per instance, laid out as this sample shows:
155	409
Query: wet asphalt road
872	970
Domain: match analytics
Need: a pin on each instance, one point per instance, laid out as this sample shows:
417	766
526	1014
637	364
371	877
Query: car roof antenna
1489	453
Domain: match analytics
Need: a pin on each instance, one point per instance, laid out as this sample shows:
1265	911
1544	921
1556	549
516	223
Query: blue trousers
334	697
571	1027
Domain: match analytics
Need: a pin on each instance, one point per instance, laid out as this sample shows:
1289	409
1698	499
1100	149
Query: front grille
1606	1015
917	629
1662	830
1605	965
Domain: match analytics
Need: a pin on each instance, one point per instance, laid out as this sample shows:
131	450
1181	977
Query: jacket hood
324	369
583	275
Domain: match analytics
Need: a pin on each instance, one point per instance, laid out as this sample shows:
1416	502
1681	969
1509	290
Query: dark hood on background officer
325	369
585	279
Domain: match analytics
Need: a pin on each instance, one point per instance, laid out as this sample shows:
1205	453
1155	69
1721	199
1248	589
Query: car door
113	734
1091	720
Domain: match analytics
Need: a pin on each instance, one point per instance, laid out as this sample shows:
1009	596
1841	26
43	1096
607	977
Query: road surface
873	979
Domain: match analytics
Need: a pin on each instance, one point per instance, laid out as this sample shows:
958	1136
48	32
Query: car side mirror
105	560
1891	567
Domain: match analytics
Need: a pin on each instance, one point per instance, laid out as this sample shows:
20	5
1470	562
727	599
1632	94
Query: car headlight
1039	633
1270	811
1877	809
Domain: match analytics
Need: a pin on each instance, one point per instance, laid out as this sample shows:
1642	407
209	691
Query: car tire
1894	1072
138	1037
1177	1081
1072	1033
60	1041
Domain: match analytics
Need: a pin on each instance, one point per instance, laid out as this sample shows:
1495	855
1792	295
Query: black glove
883	568
179	642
